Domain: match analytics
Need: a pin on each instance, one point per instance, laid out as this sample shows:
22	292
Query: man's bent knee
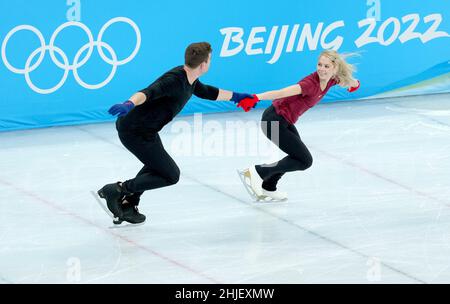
308	163
174	178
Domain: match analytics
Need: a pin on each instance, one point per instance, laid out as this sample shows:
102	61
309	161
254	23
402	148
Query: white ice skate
117	223
275	196
246	181
253	184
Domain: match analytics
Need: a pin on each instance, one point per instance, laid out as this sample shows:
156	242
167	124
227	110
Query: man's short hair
196	54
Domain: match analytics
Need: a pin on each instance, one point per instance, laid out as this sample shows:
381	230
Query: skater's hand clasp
238	97
248	103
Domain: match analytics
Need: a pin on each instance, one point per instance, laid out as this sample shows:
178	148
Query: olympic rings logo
77	63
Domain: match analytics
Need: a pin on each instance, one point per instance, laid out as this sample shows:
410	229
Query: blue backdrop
66	62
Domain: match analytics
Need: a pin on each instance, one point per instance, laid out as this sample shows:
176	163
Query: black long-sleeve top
166	97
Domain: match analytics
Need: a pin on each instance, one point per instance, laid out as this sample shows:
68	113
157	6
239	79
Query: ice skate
274	196
113	194
252	183
131	215
255	181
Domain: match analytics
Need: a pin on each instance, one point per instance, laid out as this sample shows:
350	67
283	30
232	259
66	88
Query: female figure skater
288	105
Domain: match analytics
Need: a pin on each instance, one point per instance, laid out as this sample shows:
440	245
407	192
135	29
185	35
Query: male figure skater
143	116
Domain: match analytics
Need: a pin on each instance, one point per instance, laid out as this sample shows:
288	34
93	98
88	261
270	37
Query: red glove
353	89
248	103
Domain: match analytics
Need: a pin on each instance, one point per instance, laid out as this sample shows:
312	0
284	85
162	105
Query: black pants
286	137
159	170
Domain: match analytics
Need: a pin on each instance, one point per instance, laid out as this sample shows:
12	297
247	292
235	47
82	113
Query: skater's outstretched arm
212	93
296	89
232	96
138	98
204	91
167	86
292	90
250	102
162	87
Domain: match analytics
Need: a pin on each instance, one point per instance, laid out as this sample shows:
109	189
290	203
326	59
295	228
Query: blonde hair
345	70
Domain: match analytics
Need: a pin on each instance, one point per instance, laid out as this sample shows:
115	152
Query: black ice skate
131	215
113	194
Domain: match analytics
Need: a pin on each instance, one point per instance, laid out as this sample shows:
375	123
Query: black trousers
159	170
286	137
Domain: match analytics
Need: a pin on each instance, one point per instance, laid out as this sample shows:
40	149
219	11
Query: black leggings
288	140
159	170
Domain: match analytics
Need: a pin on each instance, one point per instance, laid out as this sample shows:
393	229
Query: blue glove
237	97
121	108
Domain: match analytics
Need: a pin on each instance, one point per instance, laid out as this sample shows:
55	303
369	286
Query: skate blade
104	208
244	176
268	200
126	225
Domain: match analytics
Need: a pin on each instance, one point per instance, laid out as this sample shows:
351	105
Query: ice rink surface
374	208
